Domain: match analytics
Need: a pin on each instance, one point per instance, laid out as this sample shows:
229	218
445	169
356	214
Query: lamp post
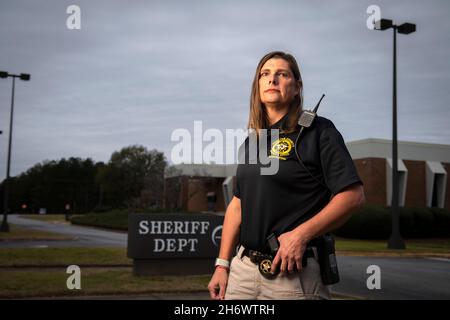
25	77
395	241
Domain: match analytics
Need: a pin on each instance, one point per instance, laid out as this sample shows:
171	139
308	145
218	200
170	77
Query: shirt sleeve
237	190
338	168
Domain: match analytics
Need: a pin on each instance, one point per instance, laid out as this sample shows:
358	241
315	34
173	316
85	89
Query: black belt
256	256
264	260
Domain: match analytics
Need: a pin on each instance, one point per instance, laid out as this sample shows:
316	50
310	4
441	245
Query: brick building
422	167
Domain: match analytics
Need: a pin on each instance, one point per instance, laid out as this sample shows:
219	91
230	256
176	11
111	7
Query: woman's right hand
218	284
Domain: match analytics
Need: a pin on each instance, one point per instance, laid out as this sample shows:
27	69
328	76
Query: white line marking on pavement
440	259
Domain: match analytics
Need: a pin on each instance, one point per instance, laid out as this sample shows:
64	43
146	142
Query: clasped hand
290	252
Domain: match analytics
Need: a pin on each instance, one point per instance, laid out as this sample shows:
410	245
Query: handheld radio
307	117
305	121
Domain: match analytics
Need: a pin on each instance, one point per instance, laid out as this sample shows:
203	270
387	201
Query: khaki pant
246	283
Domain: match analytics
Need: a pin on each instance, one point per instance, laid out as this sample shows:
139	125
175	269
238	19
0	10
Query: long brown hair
258	118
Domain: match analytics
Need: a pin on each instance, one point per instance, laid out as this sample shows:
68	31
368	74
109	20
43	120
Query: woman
300	202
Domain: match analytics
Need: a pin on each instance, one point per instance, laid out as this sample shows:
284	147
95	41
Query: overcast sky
135	72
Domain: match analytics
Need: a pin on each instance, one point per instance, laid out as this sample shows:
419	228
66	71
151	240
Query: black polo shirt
278	203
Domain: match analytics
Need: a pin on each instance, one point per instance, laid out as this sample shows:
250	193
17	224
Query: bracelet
222	262
222	267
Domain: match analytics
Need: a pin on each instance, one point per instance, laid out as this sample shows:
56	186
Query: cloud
134	73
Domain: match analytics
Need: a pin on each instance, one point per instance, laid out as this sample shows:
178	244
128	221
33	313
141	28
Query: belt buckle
265	268
264	262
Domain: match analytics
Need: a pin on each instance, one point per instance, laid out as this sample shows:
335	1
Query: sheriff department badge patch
281	148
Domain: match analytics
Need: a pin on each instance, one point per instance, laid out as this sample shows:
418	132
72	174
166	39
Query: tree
53	184
133	178
173	187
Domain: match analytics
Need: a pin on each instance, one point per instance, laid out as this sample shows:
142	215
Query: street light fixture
384	24
395	241
25	77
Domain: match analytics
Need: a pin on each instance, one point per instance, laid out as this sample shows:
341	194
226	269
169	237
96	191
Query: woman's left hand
290	252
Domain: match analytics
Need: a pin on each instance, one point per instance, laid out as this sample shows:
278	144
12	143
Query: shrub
115	219
374	222
441	222
367	223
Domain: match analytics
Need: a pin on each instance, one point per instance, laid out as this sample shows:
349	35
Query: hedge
374	222
370	222
115	219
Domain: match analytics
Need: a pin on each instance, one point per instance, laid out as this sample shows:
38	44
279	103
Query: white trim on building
382	148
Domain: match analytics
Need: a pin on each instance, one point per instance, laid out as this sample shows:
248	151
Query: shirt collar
280	124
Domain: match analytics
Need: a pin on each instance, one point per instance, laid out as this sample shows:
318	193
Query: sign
157	236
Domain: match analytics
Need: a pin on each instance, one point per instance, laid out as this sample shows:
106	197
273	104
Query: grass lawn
11	257
21	233
46	273
94	281
51	282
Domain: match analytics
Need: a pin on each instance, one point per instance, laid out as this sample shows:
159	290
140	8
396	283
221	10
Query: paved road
84	236
401	278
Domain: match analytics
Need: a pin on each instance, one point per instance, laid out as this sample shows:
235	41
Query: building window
402	175
212	199
436	184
